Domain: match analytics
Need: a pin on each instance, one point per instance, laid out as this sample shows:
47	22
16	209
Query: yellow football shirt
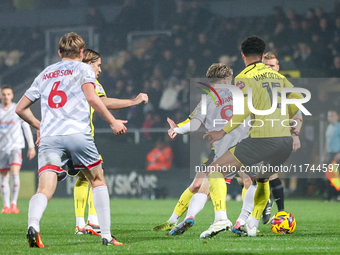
262	79
101	93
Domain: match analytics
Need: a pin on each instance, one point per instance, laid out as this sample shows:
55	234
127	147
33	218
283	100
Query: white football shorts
55	152
10	158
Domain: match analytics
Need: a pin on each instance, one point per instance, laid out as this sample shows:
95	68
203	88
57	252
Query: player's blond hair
90	56
271	55
70	45
218	71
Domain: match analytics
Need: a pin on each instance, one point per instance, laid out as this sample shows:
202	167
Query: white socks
248	204
221	215
93	219
101	203
4	184
80	222
252	222
15	187
36	208
174	218
196	204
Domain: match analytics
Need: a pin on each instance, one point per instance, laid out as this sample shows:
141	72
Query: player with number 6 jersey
61	83
67	90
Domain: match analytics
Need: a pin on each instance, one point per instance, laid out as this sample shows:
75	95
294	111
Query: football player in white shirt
66	89
11	143
215	112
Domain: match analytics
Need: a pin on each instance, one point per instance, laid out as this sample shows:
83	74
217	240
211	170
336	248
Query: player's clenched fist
142	97
118	127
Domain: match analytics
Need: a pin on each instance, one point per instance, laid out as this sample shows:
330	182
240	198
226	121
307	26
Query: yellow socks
262	195
218	191
92	210
183	202
81	190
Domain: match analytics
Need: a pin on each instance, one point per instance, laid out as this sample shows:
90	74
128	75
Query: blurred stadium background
155	47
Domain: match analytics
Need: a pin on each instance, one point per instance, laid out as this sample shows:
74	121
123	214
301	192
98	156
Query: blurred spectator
325	32
305	59
279	37
334	71
123	24
180	49
179	17
169	99
190	71
166	63
306	32
324	52
160	158
197	17
157	75
119	91
152	120
154	92
227	39
319	13
332	149
292	15
96	19
203	52
131	66
311	17
277	16
294	33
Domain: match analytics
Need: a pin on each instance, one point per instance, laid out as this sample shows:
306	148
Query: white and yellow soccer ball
283	223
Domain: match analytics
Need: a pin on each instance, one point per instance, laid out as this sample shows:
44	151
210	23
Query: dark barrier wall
136	183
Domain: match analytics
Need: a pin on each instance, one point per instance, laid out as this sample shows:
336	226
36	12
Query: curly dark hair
253	46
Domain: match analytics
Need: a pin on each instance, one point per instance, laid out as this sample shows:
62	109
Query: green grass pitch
317	231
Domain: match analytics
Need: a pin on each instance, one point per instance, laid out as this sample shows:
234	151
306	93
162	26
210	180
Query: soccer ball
283	223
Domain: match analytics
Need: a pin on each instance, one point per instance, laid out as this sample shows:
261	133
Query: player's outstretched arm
96	103
115	104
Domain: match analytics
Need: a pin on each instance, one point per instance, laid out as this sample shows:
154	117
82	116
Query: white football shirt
64	109
216	118
11	126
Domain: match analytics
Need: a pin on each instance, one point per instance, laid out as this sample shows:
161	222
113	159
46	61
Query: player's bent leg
247	208
15	186
261	197
196	204
5	192
101	202
221	223
182	204
218	192
277	190
80	194
37	205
